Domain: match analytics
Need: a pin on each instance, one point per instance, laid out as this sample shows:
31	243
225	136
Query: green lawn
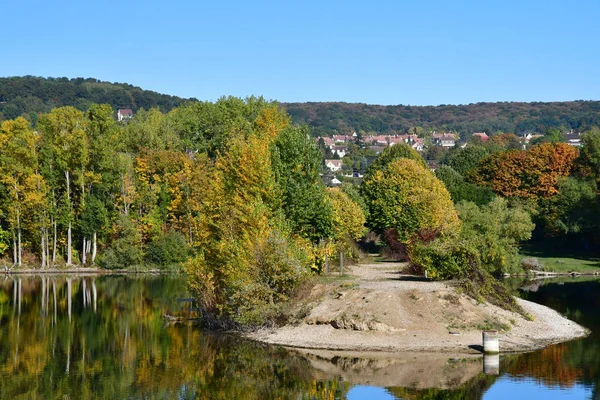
562	256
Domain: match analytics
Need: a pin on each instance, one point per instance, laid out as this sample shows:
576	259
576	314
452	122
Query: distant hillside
465	119
31	94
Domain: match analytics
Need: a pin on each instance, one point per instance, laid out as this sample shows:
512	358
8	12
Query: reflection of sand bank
406	369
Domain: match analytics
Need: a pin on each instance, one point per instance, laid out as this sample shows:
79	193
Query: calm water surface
106	338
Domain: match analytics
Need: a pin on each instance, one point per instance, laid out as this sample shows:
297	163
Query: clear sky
380	52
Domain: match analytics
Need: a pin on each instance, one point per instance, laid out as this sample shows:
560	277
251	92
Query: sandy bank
378	309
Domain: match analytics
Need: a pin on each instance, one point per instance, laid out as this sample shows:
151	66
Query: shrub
168	249
531	264
126	249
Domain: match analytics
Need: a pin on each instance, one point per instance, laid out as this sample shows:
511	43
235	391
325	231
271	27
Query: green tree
496	230
589	157
349	220
393	153
127	249
574	209
296	164
66	154
463	160
18	162
406	196
460	190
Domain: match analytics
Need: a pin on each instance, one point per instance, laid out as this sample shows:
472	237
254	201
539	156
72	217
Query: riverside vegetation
231	190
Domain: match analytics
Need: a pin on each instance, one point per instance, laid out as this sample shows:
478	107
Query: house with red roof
481	135
124	114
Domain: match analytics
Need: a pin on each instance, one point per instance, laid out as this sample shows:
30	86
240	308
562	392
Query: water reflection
105	337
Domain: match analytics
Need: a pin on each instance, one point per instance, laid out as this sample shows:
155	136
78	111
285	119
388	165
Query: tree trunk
47	246
69	250
19	251
124	195
94	251
83	249
43	248
54	242
69	243
15	260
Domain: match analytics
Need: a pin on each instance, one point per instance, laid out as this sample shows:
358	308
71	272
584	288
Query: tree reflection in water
105	337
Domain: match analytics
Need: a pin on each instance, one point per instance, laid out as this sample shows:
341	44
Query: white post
491	343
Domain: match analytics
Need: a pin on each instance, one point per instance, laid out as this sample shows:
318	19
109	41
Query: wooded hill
505	117
30	95
22	96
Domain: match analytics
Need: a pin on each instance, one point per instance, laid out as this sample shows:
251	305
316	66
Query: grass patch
563	256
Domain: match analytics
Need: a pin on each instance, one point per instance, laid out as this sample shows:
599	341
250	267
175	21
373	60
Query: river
107	337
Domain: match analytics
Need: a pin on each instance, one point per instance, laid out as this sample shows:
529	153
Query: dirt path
378	309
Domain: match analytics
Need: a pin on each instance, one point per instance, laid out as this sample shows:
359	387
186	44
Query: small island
376	308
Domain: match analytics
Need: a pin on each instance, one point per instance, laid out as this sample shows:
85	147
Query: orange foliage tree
530	173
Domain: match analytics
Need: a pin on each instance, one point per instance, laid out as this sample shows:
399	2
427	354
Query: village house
341	151
444	139
418	144
333	165
573	139
329	142
481	135
124	114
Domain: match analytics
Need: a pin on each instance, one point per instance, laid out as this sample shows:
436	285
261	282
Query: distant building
418	144
341	151
377	149
481	135
573	139
333	165
335	182
124	114
444	139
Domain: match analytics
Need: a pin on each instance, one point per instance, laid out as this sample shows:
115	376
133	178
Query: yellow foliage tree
406	196
348	217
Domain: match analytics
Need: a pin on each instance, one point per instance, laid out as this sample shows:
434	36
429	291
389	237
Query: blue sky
378	52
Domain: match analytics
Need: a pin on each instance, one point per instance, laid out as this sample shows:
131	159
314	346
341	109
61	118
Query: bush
256	279
126	249
531	264
442	258
453	258
167	249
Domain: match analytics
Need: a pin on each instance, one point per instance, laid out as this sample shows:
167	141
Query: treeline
232	186
31	95
513	117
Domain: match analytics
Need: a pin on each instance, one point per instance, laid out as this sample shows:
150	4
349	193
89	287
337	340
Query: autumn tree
406	196
66	156
532	173
393	153
348	218
18	175
248	258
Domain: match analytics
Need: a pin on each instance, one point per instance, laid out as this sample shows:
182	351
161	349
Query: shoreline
77	271
383	311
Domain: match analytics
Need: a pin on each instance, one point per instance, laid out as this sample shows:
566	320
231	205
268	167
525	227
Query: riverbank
375	308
